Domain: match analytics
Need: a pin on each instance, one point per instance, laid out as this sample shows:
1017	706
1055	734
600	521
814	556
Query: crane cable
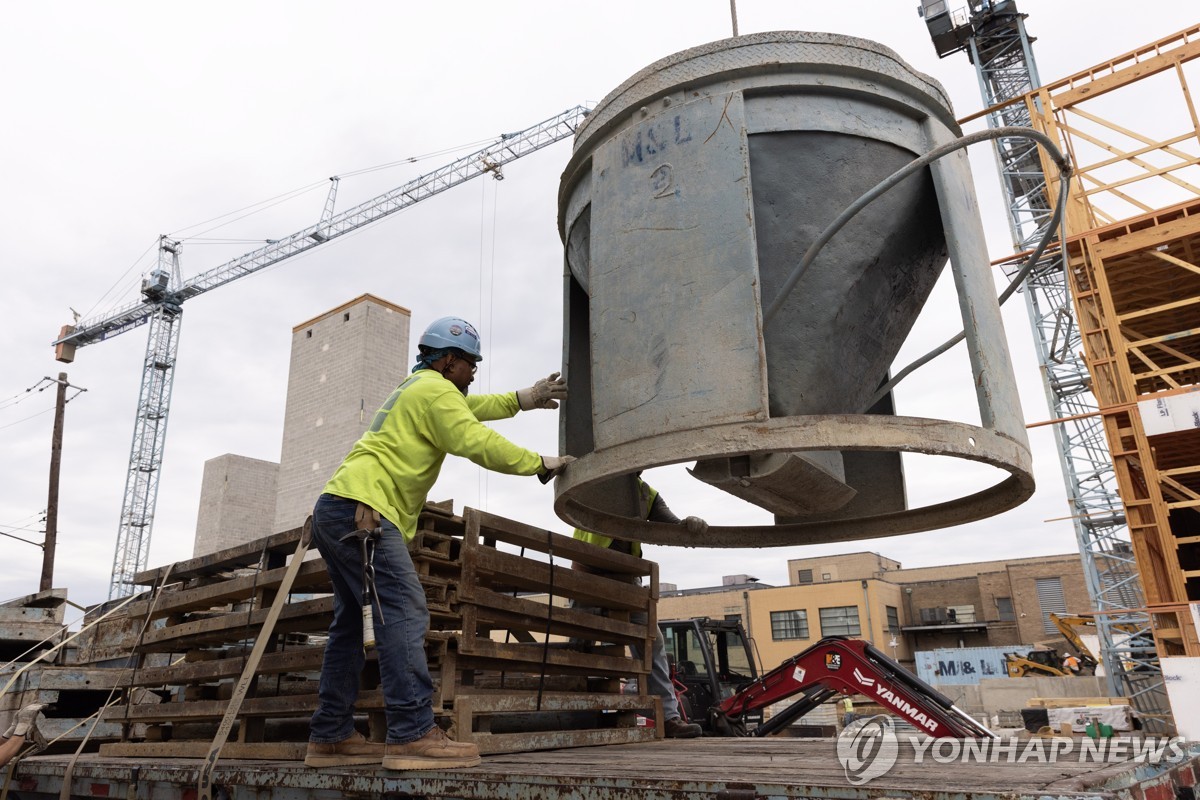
489	329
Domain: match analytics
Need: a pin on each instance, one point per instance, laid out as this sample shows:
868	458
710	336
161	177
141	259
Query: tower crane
164	292
992	33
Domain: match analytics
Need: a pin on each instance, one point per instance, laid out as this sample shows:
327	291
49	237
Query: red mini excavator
723	692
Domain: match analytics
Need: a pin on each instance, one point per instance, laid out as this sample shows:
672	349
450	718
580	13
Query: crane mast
164	292
992	33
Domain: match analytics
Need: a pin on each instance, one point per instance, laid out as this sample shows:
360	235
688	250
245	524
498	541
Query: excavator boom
851	666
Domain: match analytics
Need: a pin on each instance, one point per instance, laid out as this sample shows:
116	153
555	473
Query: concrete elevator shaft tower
693	192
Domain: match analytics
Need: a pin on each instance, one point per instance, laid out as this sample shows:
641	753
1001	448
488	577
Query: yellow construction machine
1048	661
1035	662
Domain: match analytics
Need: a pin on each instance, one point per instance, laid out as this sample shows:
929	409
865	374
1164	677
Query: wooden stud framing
1133	267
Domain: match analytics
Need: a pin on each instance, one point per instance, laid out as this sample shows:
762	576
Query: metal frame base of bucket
821	432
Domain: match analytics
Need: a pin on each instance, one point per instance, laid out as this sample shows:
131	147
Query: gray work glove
24	720
544	394
694	525
553	466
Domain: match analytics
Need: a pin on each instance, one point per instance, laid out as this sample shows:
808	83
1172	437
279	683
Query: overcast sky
126	120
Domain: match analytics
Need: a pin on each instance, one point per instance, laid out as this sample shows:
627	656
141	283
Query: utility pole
52	499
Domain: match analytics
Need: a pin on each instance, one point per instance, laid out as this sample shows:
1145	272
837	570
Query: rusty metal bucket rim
799	433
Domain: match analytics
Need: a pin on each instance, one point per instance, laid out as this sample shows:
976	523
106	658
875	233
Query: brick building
900	611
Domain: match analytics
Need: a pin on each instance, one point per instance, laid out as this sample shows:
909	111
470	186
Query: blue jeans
660	672
659	682
401	619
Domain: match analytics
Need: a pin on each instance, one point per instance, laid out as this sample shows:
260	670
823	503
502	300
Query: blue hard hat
455	333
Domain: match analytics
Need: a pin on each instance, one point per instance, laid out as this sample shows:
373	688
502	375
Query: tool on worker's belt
369	527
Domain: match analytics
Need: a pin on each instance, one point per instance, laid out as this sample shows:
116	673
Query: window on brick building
893	617
1051	601
804	576
1004	608
789	625
840	621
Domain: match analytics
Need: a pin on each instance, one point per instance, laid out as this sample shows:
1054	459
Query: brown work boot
675	728
346	753
434	750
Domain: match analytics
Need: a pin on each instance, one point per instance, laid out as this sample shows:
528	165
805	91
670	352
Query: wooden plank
270	751
312	574
308	615
556	658
239	556
565	547
483	701
490	743
229	666
504	610
1126	75
494	567
288	706
1120	242
1072	702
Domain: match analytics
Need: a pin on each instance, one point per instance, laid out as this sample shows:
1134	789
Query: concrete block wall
237	502
344	364
1005	697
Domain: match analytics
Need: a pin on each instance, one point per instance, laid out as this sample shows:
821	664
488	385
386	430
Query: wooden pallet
506	674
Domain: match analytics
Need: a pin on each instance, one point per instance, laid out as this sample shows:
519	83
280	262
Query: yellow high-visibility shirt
396	462
600	540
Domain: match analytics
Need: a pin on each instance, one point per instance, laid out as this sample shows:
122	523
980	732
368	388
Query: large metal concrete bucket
693	192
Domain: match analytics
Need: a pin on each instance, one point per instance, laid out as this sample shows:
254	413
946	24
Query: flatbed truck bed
721	769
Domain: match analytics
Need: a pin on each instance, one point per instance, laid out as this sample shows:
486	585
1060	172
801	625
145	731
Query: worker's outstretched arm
453	428
546	393
661	512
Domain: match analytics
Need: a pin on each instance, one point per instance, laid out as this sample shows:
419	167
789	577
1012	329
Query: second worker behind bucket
654	509
380	488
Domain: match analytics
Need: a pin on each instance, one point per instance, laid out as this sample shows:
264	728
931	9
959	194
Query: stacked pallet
514	668
29	627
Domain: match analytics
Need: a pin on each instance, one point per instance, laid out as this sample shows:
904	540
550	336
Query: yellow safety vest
648	496
396	462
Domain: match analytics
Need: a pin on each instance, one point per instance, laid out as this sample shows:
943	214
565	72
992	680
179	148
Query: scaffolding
1136	621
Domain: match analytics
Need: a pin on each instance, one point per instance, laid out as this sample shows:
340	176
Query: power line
23	524
21	397
79	391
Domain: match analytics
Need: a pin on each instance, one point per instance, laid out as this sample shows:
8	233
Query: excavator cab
710	661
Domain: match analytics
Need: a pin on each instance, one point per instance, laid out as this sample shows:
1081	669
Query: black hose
1012	132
